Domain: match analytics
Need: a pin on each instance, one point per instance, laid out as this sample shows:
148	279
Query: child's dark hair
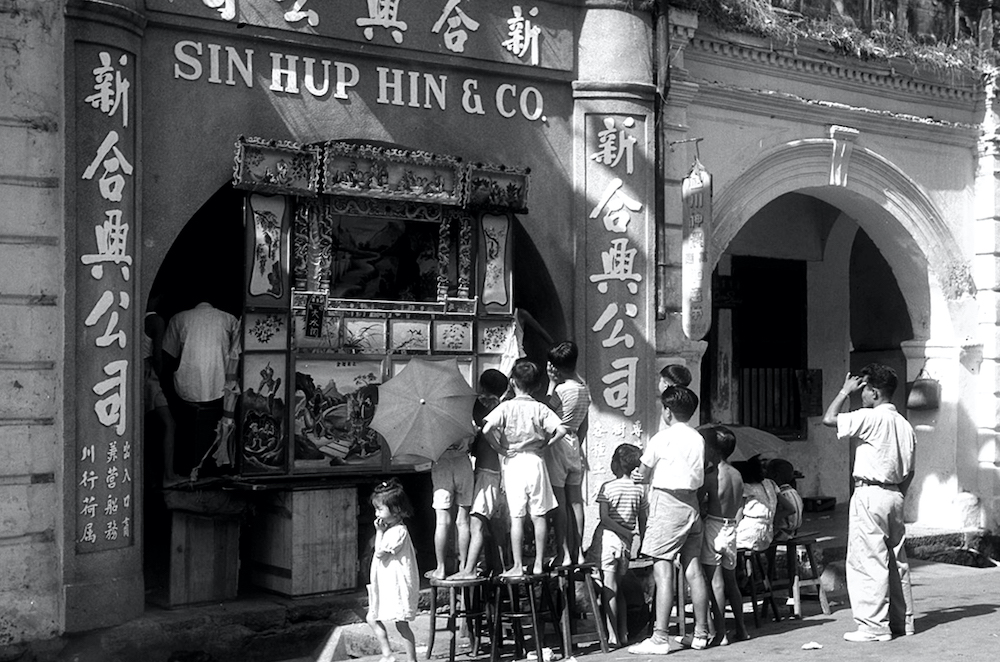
718	439
526	375
780	471
880	377
625	459
676	374
564	355
751	470
390	494
681	401
493	382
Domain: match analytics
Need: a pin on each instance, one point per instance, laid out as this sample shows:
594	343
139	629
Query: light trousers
878	574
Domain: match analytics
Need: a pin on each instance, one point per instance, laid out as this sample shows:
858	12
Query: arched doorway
842	237
204	263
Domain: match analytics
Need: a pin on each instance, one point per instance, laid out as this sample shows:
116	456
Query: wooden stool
536	590
794	582
567	576
754	565
472	609
680	599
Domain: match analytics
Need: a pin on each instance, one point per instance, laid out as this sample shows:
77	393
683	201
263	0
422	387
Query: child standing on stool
525	427
392	593
565	461
674	466
724	492
623	506
486	484
452	480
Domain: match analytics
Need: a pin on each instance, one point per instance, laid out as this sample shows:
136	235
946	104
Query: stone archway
893	209
934	278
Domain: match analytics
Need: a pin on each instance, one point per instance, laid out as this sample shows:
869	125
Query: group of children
680	494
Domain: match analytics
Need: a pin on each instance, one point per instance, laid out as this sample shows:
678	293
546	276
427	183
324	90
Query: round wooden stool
567	577
536	591
466	599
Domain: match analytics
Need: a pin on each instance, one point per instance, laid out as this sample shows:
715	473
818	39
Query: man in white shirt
878	574
198	340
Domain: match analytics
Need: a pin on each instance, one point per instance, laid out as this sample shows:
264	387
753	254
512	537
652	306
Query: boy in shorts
486	490
724	496
570	399
623	507
525	427
673	464
452	480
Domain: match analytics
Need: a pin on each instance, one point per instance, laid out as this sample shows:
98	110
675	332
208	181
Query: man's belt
858	482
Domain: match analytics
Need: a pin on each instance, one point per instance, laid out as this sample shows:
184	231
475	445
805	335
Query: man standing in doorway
878	574
198	340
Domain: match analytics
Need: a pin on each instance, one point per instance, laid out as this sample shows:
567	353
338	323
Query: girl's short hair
390	494
625	459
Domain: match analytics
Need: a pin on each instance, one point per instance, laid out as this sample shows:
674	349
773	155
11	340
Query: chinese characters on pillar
105	422
616	226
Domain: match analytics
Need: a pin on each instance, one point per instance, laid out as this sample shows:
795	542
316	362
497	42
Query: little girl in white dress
394	587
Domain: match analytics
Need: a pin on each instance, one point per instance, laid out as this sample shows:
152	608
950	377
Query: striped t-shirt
625	500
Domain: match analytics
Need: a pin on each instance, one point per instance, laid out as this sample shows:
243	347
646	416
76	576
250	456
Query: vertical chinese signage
106	430
696	283
617	227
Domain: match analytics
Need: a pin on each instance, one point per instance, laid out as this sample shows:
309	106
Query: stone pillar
614	178
102	493
672	346
986	272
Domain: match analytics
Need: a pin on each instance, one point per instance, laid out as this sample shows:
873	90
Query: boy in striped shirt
623	508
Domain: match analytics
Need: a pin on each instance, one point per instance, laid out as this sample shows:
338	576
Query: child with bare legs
392	593
673	464
623	507
525	428
486	491
565	461
452	480
724	491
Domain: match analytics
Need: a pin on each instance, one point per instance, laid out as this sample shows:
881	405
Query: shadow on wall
205	261
535	292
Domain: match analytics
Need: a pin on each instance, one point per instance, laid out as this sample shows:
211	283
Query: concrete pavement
957	619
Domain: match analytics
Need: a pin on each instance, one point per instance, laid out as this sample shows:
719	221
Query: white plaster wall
744	108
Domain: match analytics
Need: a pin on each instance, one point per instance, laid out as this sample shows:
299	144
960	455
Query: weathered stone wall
31	239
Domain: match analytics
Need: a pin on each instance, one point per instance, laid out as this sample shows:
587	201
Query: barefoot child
623	507
452	480
392	594
526	427
570	399
724	491
486	491
674	466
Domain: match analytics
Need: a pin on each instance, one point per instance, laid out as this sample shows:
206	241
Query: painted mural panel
263	411
106	430
334	403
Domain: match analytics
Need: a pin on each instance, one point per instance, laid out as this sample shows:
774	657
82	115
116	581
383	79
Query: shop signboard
106	429
529	34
